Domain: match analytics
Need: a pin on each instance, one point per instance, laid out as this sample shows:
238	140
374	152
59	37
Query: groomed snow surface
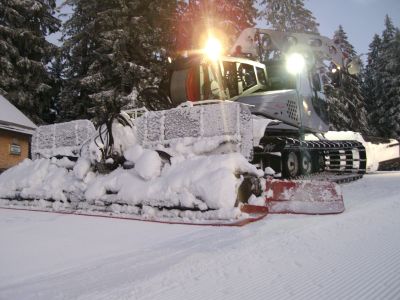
354	255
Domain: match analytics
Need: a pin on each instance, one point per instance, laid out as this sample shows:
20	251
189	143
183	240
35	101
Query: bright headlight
213	48
295	63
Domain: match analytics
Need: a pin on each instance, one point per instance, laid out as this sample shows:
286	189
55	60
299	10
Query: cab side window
316	82
247	75
231	78
261	76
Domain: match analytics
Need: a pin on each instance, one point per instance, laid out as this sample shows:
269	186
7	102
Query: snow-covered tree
24	54
288	15
224	18
112	50
389	73
372	89
393	91
381	85
347	107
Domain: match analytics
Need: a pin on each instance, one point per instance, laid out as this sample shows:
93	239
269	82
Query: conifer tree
372	90
112	50
394	89
24	54
288	15
347	107
389	72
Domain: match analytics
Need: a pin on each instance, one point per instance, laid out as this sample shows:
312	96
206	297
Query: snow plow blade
251	214
303	197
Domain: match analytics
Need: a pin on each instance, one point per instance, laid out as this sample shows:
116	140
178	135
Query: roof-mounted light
213	48
295	63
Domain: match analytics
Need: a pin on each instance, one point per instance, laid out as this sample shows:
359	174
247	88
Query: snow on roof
11	118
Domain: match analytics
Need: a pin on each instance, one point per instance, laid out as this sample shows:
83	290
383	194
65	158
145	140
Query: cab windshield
278	77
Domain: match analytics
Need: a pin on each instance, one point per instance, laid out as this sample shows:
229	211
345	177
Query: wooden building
15	135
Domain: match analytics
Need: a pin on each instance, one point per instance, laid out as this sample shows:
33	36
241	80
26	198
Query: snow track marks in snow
353	255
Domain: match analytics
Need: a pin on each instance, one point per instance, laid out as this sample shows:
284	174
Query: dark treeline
113	49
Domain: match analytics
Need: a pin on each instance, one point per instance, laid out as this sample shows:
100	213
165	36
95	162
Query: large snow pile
39	179
190	181
209	178
196	182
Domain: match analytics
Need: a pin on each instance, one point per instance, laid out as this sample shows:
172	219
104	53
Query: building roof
11	118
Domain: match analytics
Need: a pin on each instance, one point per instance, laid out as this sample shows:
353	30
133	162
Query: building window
15	149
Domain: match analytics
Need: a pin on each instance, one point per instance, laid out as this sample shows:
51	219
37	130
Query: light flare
295	63
213	48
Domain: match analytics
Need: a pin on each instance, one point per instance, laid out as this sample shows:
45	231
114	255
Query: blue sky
360	19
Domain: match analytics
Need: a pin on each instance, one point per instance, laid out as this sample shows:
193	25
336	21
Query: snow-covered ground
354	255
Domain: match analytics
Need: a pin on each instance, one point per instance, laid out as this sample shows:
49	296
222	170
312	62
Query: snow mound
198	182
148	165
133	153
39	179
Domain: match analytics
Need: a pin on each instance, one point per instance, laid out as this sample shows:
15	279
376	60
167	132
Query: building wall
8	138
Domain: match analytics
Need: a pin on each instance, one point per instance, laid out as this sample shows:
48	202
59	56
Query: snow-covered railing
62	139
209	128
135	113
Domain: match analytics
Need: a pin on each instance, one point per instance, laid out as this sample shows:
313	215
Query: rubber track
332	151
